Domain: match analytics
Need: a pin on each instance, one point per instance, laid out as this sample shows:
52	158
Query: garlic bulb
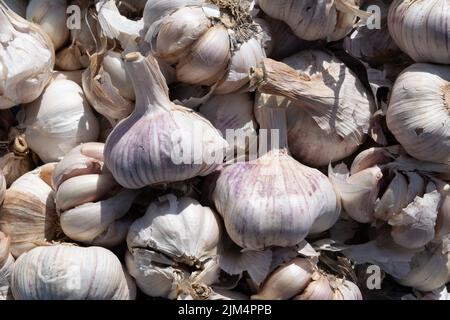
58	121
27	58
211	42
233	114
420	29
274	200
314	20
28	214
65	272
51	16
373	44
287	281
18	6
323	124
6	267
160	142
418	112
108	87
92	206
173	243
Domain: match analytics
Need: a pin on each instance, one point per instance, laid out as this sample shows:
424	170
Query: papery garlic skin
51	16
6	267
29	205
314	20
58	121
145	148
318	289
181	229
27	58
233	113
65	272
420	29
2	187
274	200
418	113
18	6
287	280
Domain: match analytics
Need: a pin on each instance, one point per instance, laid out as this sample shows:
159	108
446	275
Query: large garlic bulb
160	142
51	16
171	245
108	87
232	115
420	29
418	113
91	205
58	121
315	19
26	59
28	214
209	41
6	267
65	272
274	200
324	124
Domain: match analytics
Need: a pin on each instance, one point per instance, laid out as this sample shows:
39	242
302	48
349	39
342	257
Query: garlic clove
393	199
113	64
358	192
208	60
443	219
287	281
69	59
319	289
347	290
374	156
83	189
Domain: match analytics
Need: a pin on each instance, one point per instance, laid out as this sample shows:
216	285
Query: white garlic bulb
65	272
211	43
233	113
51	16
314	20
28	214
6	267
287	280
58	121
323	124
160	142
420	29
274	200
27	59
418	112
172	246
91	205
108	87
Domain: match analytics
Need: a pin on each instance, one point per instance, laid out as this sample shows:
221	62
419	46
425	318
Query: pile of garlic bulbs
224	149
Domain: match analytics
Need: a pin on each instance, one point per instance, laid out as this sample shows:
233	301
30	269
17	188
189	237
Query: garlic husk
418	112
18	6
316	20
358	192
374	45
443	219
27	60
181	229
108	87
130	147
6	267
318	289
307	81
287	281
69	59
274	200
419	29
58	121
346	290
2	187
394	198
233	113
85	39
28	214
65	272
51	16
210	43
